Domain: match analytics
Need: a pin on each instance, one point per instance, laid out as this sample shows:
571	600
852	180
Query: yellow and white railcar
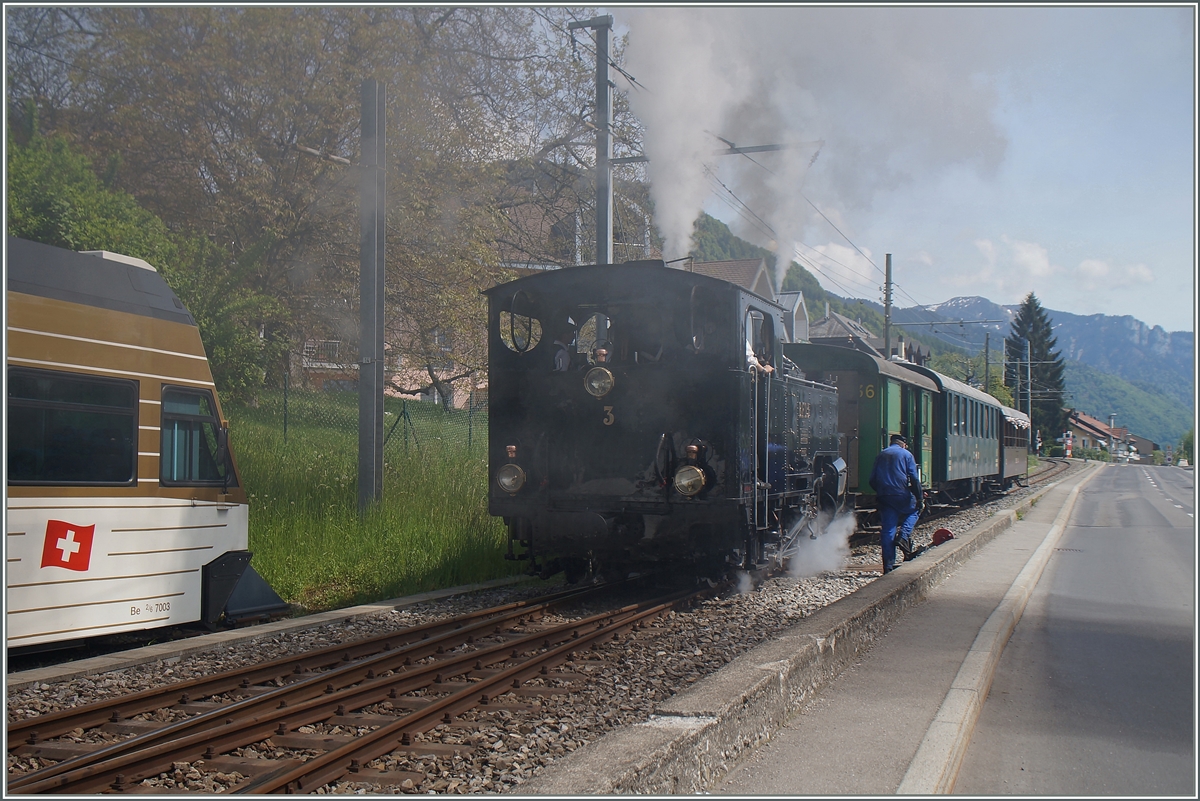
124	506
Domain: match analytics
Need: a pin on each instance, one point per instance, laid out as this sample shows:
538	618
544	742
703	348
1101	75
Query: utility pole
887	308
1029	392
603	27
372	219
987	362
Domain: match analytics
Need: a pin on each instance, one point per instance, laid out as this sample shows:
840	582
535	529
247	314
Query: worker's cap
899	438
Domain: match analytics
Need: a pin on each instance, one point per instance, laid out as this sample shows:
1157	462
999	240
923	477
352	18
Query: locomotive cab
637	416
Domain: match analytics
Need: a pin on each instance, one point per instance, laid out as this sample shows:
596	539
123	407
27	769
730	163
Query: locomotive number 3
868	390
608	416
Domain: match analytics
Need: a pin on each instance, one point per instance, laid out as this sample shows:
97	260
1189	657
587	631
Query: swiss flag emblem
67	545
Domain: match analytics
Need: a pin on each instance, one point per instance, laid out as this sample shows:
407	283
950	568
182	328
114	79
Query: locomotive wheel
574	570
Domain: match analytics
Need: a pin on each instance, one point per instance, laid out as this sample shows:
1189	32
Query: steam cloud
828	551
891	92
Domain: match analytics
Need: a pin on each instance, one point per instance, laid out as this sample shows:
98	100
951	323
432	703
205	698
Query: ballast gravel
626	679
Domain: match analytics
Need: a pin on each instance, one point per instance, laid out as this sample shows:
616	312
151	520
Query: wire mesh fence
297	456
410	426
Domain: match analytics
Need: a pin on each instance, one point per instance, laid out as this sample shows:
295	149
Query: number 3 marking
608	416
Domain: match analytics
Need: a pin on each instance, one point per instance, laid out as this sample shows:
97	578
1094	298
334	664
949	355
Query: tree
1043	390
56	198
207	107
1185	445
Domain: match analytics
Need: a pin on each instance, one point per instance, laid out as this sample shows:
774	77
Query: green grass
431	529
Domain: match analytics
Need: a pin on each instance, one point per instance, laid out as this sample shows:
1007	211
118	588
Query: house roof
750	274
790	300
836	325
1090	424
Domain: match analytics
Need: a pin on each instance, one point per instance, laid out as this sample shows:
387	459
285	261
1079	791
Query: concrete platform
912	654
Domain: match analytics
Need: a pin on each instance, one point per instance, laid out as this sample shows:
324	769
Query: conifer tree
1045	369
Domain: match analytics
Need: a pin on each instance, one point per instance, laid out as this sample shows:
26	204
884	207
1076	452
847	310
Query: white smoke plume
889	92
828	551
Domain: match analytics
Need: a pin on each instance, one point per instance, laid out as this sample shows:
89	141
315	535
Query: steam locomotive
641	413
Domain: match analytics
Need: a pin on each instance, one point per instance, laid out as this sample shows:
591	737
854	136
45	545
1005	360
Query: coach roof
100	279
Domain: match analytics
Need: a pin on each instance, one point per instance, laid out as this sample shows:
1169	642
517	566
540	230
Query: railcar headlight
598	382
689	480
510	478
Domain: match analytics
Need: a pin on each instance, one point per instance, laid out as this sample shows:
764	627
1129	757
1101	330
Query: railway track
333	713
1053	469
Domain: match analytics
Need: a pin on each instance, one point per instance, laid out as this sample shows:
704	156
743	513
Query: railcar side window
64	428
192	452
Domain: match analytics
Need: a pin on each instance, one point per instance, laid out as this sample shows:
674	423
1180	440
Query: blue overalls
894	473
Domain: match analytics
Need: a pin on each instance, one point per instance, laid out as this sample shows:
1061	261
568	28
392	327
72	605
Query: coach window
64	428
192	447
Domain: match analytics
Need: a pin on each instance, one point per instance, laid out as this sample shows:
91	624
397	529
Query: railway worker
893	478
753	360
562	350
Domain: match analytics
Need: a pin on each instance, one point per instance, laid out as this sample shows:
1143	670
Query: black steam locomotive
642	414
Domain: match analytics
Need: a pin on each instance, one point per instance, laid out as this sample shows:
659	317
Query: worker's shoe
905	545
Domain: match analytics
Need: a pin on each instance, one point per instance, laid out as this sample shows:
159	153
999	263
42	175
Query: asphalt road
1095	691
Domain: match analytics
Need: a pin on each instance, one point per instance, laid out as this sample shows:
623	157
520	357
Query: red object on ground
941	535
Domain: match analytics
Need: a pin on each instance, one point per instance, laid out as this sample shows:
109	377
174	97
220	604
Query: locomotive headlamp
598	382
510	478
689	480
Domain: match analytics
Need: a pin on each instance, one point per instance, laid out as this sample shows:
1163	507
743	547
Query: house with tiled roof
750	274
838	329
753	275
1090	433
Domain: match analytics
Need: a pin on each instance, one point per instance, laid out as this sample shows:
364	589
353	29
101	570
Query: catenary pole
987	362
372	218
603	28
887	308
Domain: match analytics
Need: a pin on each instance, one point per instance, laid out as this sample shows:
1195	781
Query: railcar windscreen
191	446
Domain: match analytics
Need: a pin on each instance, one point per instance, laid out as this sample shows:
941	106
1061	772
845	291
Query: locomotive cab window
194	450
520	332
628	333
64	428
759	338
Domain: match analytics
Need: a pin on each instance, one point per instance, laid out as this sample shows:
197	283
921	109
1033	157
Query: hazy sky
992	151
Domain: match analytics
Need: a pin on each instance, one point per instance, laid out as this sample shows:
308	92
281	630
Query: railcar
125	510
876	398
966	441
1014	444
641	413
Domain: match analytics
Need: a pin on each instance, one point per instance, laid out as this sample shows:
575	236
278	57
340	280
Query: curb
699	735
172	651
935	766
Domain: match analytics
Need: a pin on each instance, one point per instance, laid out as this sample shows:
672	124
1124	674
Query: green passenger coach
876	399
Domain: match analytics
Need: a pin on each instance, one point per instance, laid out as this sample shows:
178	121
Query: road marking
935	767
